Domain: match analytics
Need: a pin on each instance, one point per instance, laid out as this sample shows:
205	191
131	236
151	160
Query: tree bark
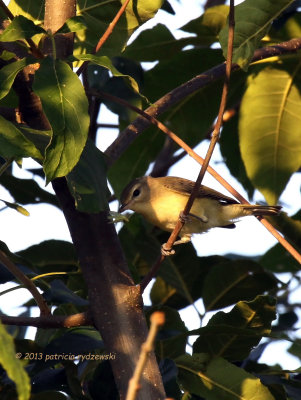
115	302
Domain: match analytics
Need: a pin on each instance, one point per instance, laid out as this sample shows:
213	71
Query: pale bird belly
165	215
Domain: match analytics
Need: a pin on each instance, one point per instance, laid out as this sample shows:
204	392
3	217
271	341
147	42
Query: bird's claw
183	218
166	252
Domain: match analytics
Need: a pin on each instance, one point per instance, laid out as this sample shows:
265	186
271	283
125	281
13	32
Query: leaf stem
7	163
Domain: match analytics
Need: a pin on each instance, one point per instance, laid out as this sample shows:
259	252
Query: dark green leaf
59	293
26	191
228	282
218	379
270	129
169	342
278	259
156	43
66	107
180	283
252	21
254	317
13	144
105	62
49	253
20	28
87	181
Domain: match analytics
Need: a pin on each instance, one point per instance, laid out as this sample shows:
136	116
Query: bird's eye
136	192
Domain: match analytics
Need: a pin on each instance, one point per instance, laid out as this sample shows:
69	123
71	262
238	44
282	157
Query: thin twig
49	321
105	36
157	319
215	134
28	284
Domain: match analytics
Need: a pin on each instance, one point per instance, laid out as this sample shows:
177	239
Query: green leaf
229	146
73	24
8	74
270	129
16	207
228	282
20	28
180	283
208	25
249	322
14	144
10	362
87	181
218	379
170	341
66	107
253	19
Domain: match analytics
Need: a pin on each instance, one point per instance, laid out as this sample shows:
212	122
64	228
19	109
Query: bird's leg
169	252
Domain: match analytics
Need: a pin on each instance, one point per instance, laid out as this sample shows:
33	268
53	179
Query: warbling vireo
161	200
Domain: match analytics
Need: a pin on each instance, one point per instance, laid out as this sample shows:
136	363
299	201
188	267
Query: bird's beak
122	208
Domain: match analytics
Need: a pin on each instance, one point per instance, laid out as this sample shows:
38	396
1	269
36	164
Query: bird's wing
182	185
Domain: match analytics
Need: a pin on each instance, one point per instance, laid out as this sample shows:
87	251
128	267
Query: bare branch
157	319
49	321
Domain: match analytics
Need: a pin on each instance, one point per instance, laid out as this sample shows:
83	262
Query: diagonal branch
128	135
28	284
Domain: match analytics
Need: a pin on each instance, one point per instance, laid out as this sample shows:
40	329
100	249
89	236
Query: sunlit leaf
253	19
16	207
66	107
218	379
270	129
255	317
20	28
10	362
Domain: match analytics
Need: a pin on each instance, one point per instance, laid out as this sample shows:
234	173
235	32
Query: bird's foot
166	252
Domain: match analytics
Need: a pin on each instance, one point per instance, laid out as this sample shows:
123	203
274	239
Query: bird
162	200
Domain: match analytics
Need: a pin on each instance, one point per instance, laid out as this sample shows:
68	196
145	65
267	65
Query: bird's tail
257	210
